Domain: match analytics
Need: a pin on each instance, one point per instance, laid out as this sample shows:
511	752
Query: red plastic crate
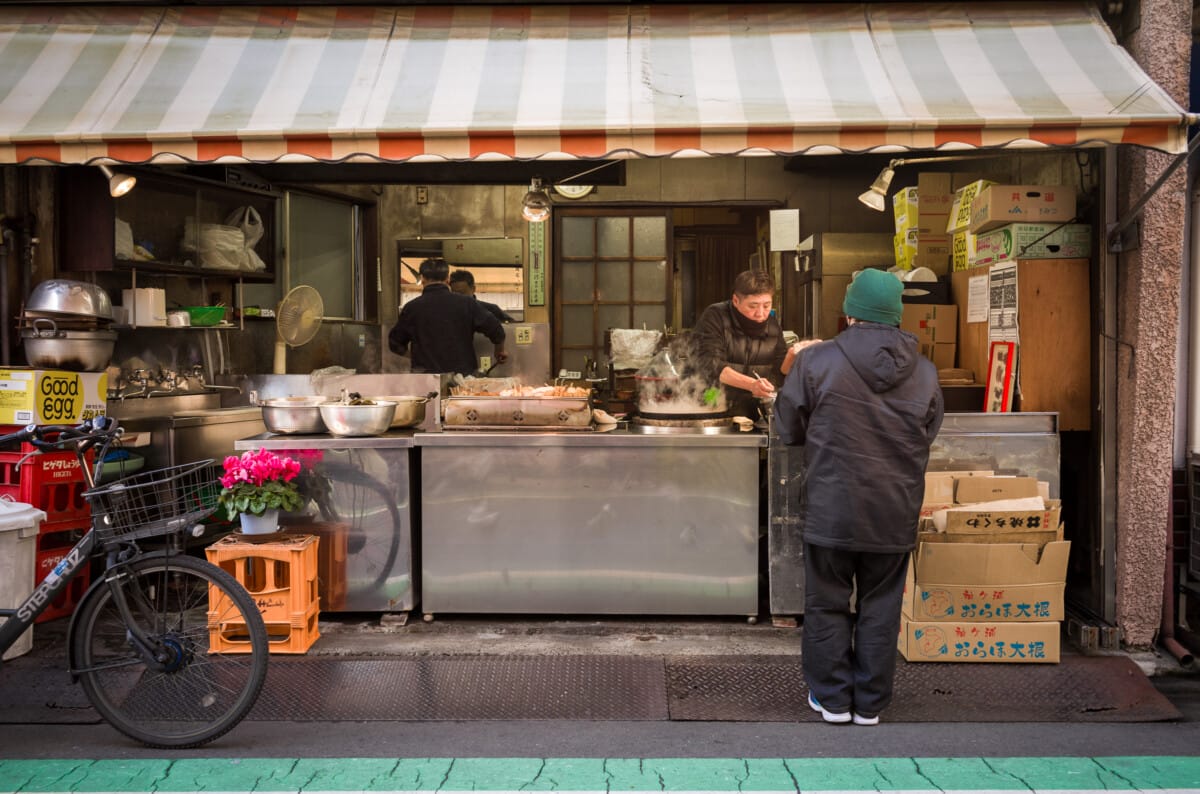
51	548
50	481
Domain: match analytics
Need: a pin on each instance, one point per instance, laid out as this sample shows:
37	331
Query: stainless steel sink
187	427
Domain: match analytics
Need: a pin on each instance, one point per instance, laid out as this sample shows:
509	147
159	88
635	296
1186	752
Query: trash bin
19	524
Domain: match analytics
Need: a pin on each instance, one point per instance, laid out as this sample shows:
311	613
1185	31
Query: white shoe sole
828	716
866	720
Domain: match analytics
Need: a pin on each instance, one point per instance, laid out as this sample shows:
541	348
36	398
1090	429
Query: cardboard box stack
1023	221
921	214
987	579
936	327
958	222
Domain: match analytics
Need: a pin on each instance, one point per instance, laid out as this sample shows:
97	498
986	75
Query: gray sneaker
863	719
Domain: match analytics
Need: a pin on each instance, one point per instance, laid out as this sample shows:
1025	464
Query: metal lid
64	296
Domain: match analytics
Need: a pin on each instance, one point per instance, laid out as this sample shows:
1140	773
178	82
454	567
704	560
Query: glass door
613	270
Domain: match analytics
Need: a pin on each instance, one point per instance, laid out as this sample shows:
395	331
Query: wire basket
153	503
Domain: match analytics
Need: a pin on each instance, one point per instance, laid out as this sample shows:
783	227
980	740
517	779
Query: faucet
139	377
197	374
168	379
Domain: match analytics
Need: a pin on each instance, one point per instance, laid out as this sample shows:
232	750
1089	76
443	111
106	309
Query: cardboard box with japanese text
1033	241
987	581
931	322
989	641
51	397
962	250
959	218
999	205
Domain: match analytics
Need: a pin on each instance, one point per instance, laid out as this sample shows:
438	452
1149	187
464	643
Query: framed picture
1002	367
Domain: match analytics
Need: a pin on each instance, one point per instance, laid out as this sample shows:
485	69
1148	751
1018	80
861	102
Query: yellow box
905	209
962	250
960	208
906	247
51	396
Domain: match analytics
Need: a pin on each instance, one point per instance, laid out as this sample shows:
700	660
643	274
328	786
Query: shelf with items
168	224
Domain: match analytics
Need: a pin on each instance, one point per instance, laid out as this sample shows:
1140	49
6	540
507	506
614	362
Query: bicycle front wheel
187	693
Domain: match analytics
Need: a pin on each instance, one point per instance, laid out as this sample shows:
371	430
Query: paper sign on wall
977	299
785	230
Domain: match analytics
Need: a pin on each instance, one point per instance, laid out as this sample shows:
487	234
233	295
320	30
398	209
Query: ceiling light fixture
535	207
875	196
118	184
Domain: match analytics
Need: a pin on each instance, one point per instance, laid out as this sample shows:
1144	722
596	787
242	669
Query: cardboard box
904	209
962	250
1036	537
931	322
940	353
935	195
932	251
51	397
1033	241
998	205
989	564
982	523
959	218
992	641
970	490
939	489
904	246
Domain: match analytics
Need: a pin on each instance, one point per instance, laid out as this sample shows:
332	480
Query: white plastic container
19	524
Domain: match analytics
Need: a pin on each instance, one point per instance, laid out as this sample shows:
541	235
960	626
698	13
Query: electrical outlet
362	340
524	335
422	195
485	363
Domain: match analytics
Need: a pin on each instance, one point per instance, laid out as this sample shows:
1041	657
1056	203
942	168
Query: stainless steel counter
589	522
360	505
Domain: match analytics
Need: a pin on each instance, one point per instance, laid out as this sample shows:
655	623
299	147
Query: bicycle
139	640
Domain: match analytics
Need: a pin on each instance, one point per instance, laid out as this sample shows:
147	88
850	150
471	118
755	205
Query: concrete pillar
1148	284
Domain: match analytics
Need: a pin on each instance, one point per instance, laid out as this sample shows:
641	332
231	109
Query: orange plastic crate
280	573
331	560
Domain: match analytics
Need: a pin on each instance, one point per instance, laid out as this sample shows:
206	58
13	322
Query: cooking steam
676	382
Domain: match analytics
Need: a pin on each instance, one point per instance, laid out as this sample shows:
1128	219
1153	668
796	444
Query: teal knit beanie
874	296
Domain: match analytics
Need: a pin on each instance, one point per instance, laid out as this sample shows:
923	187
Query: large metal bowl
46	347
294	415
63	296
410	411
358	420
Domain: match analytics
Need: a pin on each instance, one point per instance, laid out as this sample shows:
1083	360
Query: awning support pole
1116	243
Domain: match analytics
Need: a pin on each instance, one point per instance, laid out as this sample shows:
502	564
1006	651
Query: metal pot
410	411
63	296
46	347
287	415
358	420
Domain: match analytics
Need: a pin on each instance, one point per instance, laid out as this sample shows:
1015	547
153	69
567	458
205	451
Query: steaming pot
666	388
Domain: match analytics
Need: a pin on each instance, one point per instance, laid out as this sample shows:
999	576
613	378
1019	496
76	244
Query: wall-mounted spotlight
118	184
535	207
875	196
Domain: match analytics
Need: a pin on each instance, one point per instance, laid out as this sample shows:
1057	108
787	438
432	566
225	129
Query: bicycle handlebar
84	436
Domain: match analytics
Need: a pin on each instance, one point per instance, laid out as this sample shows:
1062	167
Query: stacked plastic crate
54	483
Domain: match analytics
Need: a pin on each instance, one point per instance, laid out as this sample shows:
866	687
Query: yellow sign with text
51	397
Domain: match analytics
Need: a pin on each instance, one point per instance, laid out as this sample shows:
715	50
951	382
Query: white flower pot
264	524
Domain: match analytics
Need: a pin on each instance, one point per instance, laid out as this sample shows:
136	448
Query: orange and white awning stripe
397	83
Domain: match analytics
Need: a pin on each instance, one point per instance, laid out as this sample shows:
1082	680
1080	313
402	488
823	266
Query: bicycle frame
47	590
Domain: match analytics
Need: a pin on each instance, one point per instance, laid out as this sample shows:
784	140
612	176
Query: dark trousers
849	658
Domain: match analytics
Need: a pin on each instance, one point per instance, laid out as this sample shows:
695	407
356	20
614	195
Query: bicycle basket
160	502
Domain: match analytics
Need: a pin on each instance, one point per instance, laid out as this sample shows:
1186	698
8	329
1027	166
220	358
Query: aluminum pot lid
64	296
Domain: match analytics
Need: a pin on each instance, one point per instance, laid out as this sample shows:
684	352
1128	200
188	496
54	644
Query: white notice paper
785	230
977	299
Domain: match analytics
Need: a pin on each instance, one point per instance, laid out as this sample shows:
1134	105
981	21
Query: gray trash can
19	524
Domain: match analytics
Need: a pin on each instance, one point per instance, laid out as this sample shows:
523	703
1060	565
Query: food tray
504	413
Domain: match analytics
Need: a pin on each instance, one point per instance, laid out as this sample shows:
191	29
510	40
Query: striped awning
410	83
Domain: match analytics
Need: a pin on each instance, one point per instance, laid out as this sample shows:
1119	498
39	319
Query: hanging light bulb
875	196
118	184
535	207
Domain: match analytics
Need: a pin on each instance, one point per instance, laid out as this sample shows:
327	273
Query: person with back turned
440	325
866	407
463	282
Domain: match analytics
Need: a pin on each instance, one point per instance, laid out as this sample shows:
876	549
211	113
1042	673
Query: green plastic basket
205	315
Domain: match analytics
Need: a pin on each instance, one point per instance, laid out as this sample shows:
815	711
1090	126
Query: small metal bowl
358	420
294	415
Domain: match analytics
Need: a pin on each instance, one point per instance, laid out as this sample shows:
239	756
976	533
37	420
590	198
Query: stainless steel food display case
589	522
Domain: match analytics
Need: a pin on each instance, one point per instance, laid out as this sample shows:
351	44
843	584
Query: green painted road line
677	775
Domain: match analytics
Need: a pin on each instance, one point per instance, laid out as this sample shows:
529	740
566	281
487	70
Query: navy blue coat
866	406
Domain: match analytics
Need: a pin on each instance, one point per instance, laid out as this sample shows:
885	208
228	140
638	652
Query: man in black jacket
866	407
441	325
462	282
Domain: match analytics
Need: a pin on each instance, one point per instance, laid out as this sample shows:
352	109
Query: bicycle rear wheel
195	694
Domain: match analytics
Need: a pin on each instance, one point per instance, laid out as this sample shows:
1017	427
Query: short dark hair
434	269
753	282
463	275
